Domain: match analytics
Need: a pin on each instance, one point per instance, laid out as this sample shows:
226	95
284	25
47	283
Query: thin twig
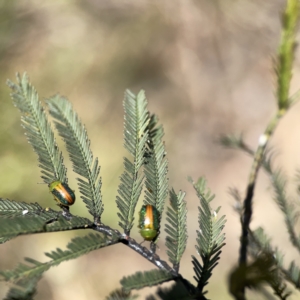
258	159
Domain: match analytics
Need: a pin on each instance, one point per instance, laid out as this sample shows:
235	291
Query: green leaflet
143	279
135	138
78	145
77	247
11	208
38	129
28	225
210	238
176	228
155	167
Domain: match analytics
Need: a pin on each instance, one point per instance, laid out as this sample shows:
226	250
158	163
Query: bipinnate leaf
210	238
78	145
176	228
135	137
140	280
21	225
76	248
38	129
28	225
11	209
155	167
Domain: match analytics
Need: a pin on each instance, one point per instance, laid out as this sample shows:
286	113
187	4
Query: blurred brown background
206	66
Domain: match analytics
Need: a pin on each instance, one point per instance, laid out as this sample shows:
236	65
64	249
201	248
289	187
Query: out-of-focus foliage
206	67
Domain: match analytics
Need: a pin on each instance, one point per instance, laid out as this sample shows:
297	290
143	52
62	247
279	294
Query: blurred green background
206	66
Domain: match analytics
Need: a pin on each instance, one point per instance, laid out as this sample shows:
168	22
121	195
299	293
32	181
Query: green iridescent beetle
149	222
62	193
